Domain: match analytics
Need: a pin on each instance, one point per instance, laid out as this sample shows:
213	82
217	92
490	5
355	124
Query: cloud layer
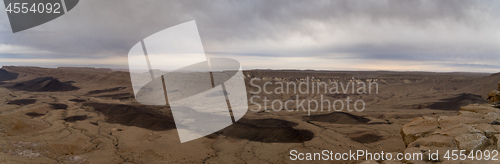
404	35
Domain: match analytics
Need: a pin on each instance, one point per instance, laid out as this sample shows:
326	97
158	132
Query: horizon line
260	69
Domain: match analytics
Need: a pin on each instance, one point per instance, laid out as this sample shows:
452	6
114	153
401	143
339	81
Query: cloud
424	31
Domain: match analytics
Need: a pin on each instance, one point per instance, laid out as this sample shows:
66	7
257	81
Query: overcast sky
394	35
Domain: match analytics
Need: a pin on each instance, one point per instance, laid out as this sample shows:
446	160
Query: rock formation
475	127
5	75
44	84
494	96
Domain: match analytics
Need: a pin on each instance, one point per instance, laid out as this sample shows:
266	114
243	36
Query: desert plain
89	115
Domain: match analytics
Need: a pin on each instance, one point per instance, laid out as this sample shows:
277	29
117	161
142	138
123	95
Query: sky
395	35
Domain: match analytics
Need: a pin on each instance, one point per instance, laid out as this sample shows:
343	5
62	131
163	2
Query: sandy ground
86	115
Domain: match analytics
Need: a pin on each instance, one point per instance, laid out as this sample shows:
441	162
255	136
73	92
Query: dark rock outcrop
44	84
5	75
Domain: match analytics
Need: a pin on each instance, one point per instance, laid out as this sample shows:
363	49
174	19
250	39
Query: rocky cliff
494	96
475	127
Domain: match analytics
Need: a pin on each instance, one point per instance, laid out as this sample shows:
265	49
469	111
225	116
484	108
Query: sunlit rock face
476	127
494	96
